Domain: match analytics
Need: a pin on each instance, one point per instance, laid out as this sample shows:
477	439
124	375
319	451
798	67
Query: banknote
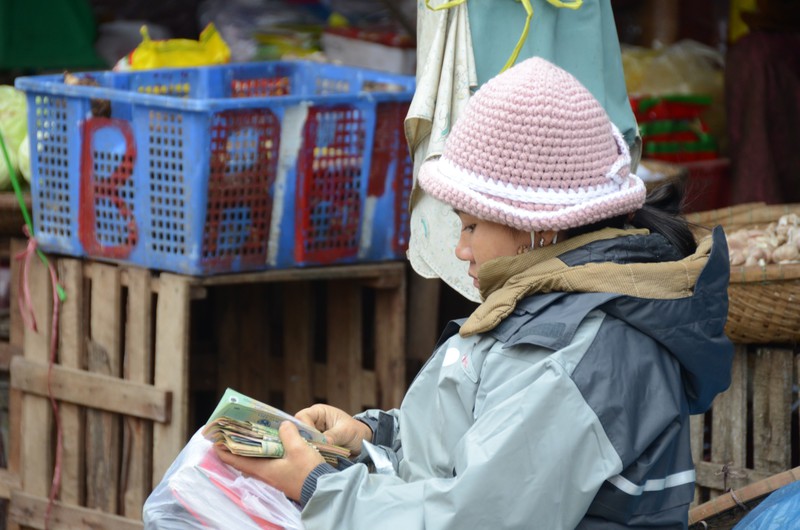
249	427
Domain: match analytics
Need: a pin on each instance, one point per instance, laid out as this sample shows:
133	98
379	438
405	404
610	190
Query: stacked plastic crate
222	169
673	130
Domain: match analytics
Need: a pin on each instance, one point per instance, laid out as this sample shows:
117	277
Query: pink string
29	318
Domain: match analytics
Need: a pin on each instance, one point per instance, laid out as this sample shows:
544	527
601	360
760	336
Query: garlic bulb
779	242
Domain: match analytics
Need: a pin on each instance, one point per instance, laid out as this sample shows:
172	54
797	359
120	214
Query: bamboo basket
763	302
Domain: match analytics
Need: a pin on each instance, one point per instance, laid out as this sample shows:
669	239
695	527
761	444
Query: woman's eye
468	228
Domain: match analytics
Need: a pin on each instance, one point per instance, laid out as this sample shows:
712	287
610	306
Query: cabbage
24	159
13	127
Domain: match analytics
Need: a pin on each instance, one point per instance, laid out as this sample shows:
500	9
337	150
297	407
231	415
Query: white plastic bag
199	491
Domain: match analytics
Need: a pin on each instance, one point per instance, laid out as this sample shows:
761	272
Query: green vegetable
24	159
13	127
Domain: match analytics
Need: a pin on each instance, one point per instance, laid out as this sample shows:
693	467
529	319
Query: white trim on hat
462	177
633	194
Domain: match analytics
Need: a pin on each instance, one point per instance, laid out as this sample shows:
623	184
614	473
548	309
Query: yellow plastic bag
209	49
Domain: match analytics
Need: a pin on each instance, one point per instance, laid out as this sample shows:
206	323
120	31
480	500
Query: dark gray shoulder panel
633	385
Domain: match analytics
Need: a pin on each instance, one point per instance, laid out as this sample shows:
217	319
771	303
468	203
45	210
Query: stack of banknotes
248	427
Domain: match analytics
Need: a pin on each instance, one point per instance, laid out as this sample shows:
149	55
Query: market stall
245	225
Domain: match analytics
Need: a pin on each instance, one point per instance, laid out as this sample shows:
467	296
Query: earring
541	242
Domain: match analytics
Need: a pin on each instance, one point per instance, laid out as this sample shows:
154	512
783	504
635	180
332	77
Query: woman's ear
546	238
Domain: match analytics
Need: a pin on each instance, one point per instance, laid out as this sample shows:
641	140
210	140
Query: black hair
661	213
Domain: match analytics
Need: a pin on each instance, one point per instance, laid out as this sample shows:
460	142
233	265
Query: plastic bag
779	511
199	491
209	49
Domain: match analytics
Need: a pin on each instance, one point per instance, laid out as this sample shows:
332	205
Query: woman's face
482	241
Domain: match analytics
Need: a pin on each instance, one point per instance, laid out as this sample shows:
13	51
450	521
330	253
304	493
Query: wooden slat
344	345
7	351
339	272
71	355
319	381
697	426
772	402
93	390
28	510
172	368
390	345
255	318
16	339
297	346
137	437
104	357
17	331
423	316
729	417
720	477
242	327
226	332
760	488
8	482
36	464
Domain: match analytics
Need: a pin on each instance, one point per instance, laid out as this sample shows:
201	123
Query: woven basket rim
752	213
761	307
767	273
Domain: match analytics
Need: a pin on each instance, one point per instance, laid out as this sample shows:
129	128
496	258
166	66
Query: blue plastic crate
222	169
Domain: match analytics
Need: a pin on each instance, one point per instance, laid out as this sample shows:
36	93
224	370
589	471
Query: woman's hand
286	474
338	426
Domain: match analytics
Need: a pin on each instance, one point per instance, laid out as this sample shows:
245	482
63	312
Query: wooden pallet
747	436
122	377
725	511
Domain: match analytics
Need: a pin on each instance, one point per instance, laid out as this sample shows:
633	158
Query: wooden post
772	401
172	368
729	421
137	461
104	357
72	354
37	419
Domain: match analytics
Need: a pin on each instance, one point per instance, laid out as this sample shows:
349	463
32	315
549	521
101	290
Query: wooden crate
727	510
751	431
122	377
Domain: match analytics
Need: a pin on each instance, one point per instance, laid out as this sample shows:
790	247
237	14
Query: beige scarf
504	281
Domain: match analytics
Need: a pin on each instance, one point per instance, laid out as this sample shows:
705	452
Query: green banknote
248	427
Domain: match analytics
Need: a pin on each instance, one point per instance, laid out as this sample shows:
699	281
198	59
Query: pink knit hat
536	151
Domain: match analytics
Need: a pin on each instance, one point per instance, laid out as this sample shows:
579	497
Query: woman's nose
463	250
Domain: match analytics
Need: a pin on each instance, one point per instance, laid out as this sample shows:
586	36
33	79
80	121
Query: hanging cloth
446	76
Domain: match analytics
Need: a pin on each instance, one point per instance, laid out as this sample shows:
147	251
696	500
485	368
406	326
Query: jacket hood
690	328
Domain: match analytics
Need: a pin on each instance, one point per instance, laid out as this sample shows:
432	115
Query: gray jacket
572	413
